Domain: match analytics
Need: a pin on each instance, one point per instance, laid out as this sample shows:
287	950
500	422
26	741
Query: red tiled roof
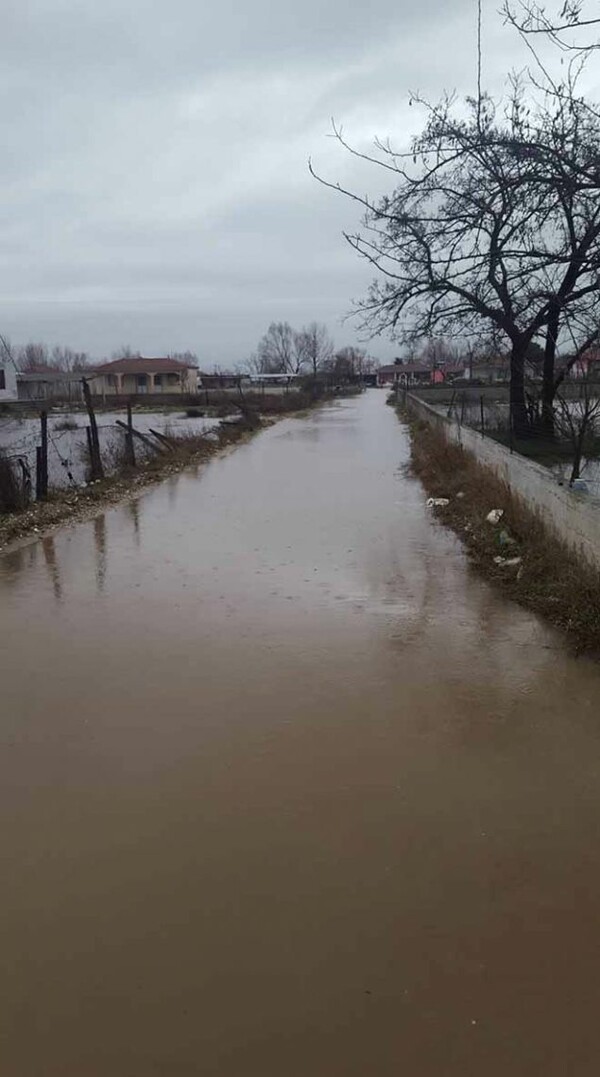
138	365
405	368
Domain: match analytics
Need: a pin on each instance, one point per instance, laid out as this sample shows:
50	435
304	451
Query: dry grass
550	579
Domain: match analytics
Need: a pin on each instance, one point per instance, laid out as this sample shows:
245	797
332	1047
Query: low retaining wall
574	518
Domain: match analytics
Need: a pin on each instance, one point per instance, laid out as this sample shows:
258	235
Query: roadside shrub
66	424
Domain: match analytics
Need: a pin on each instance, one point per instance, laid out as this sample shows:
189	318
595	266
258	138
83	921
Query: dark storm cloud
154	180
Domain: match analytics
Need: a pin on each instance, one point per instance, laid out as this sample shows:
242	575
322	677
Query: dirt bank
517	553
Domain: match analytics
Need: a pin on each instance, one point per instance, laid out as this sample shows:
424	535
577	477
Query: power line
479	63
8	352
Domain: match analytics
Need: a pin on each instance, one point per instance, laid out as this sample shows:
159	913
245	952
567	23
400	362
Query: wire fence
574	439
66	444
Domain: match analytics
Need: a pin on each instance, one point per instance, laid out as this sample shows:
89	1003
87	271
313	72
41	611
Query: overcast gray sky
154	183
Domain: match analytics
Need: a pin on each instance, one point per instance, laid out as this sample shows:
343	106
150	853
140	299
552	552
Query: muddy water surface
287	791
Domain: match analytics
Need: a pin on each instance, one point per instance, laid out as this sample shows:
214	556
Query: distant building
490	371
455	372
222	380
405	374
586	366
411	374
8	382
138	376
268	380
47	383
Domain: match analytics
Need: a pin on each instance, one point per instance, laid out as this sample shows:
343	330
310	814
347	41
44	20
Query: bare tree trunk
548	388
519	416
576	468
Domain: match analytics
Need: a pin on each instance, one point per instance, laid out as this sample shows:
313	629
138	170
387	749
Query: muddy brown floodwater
287	790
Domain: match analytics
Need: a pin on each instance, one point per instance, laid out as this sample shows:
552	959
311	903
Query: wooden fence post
41	461
88	434
96	468
129	446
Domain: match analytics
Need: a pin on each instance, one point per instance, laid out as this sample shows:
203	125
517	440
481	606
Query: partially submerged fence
54	451
573	517
571	451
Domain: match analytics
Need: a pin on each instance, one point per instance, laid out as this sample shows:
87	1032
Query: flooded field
67	451
287	790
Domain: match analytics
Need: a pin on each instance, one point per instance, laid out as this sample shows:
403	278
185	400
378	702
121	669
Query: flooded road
287	791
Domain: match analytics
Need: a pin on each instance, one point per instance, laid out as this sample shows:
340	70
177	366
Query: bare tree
68	360
437	352
348	362
279	350
493	225
39	357
33	356
251	365
370	364
578	422
315	347
184	357
561	26
125	352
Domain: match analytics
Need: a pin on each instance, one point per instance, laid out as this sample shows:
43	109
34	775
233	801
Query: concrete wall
574	518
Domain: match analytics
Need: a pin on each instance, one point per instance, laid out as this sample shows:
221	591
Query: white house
8	382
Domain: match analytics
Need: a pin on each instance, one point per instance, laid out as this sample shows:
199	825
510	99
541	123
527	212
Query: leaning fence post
25	480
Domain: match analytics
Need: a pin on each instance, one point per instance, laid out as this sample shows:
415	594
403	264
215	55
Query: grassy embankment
537	570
